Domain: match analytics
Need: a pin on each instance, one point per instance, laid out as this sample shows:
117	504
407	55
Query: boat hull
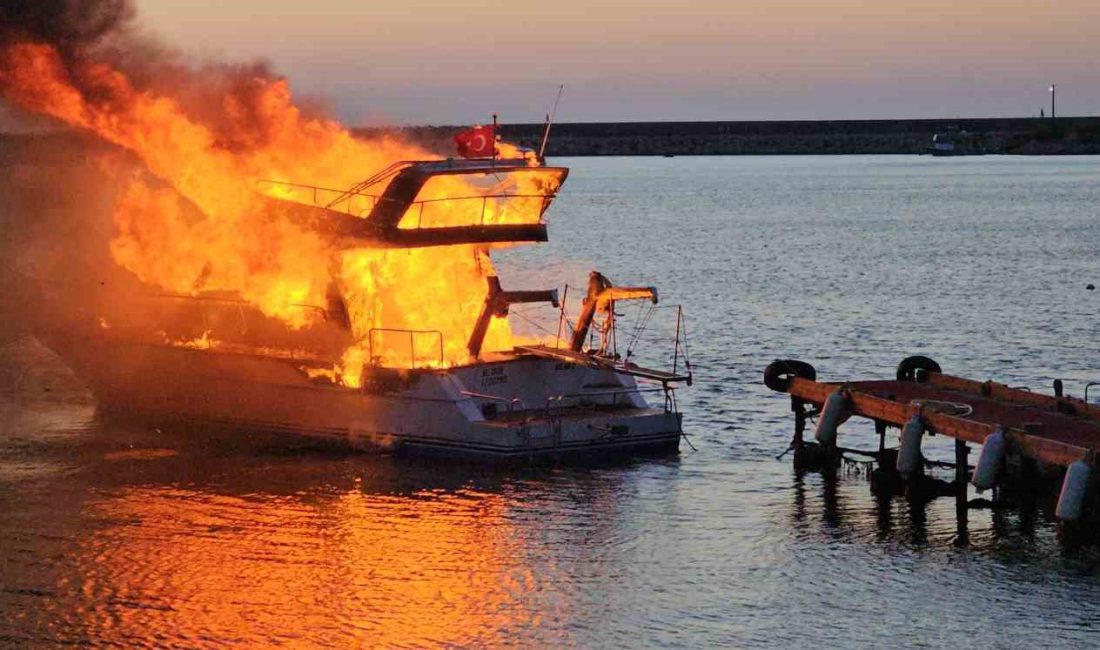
516	407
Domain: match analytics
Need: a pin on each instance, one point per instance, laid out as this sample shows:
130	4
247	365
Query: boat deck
565	355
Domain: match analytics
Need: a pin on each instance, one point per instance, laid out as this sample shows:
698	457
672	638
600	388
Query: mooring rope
957	409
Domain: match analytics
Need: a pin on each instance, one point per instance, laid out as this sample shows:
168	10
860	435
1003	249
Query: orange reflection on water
332	569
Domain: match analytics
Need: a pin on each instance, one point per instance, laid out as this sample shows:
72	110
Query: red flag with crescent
478	142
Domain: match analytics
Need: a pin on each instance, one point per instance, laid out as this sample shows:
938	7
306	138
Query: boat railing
226	301
514	403
517	405
506	209
374	179
557	401
289	354
661	346
375	347
239	304
355	203
1087	387
244	309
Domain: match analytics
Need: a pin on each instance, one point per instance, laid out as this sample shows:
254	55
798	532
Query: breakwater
1028	136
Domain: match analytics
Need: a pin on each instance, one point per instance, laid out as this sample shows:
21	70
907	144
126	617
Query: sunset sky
440	62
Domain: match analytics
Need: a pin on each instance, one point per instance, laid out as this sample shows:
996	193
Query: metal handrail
240	302
512	401
344	195
484	198
604	393
350	194
1087	386
374	179
679	352
412	342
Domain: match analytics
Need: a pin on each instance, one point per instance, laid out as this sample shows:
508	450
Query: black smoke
72	26
63	238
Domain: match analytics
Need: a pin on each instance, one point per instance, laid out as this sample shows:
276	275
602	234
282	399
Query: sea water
125	535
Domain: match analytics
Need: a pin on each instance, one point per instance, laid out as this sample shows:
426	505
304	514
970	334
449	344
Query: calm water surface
112	534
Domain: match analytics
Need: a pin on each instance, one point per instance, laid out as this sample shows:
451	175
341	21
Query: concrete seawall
1028	136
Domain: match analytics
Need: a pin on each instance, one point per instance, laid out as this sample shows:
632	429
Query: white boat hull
515	407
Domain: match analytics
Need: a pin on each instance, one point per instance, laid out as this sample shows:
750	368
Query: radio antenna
549	121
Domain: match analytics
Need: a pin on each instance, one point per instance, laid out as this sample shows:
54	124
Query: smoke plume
188	178
72	26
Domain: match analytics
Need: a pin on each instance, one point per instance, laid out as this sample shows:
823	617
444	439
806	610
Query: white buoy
1074	487
990	461
832	414
909	457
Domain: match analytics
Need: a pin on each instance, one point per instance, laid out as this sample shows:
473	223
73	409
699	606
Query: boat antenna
549	121
493	144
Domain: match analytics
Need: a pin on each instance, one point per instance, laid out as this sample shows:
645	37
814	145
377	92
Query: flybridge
432	203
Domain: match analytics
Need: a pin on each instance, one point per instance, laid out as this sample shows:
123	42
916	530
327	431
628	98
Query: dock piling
962	469
798	406
962	476
962	507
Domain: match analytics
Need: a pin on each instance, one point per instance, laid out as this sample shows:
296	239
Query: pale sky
437	62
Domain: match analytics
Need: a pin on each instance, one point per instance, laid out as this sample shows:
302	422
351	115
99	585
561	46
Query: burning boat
213	357
364	311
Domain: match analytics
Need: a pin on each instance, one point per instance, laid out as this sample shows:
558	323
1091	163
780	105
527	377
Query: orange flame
205	228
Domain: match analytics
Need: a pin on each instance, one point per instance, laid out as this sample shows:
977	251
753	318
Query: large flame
234	241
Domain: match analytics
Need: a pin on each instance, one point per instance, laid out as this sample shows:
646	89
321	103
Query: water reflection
1018	531
921	515
336	567
196	542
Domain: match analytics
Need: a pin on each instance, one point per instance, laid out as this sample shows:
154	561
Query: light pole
1052	89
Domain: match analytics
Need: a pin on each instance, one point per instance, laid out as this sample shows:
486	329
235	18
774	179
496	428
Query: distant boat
954	142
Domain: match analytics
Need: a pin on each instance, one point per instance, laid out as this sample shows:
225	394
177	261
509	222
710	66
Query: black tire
907	369
778	374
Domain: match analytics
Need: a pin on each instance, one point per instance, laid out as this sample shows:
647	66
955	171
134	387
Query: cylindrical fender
1071	501
909	456
833	414
990	461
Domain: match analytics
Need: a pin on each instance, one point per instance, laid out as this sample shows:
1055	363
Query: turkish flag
478	142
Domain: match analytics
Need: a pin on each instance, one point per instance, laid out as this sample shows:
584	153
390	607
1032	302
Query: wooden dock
1050	432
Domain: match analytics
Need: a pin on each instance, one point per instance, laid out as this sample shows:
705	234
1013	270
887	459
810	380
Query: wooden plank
811	391
1005	393
1045	449
878	408
959	428
870	406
